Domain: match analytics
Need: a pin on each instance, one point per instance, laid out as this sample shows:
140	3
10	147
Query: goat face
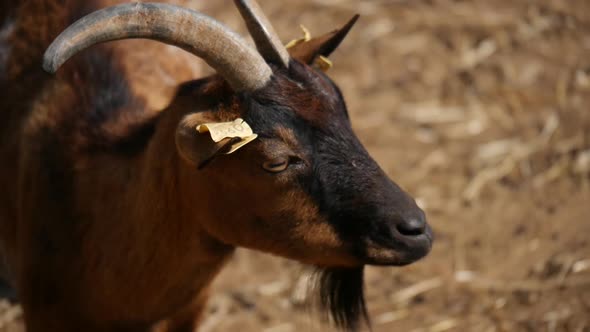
306	188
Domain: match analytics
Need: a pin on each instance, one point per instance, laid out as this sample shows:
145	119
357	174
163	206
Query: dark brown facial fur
366	210
347	208
349	188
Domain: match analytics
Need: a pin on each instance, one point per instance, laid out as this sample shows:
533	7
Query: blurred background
481	110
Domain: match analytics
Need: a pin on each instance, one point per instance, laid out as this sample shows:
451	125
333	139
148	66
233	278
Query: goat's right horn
240	65
266	39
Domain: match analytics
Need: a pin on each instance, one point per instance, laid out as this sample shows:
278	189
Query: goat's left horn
241	66
267	41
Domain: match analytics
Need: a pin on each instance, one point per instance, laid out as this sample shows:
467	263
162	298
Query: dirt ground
481	110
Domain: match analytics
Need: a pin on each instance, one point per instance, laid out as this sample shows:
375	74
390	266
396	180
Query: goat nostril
412	227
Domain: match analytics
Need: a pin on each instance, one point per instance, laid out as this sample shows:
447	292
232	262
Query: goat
115	218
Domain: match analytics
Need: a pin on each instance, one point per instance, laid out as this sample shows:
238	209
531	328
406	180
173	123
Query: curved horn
266	39
241	66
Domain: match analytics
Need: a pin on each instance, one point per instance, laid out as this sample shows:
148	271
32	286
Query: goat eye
276	165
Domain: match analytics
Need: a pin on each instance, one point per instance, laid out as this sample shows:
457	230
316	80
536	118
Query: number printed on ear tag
227	130
222	130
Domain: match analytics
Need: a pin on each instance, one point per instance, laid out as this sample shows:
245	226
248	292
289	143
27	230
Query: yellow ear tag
324	63
306	37
238	130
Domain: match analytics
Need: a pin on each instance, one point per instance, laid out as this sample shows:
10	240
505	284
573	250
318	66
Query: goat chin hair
341	297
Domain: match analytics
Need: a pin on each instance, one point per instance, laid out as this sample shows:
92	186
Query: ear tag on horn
306	37
324	63
238	133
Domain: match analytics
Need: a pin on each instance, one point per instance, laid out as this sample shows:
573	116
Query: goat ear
308	51
196	148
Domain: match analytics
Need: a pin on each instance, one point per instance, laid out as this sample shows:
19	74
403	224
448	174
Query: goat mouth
381	251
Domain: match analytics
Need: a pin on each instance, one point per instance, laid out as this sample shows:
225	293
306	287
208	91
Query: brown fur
41	234
147	246
106	225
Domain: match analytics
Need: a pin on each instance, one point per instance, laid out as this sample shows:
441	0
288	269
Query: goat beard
341	297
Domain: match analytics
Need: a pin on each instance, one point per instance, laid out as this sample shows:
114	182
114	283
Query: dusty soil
480	109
